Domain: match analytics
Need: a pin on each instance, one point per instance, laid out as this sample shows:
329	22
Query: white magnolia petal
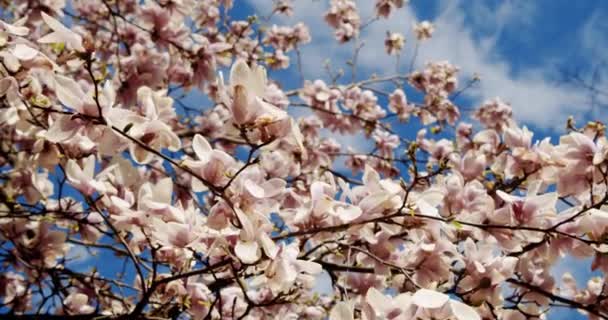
198	185
433	197
62	129
430	299
15	30
426	209
202	148
342	311
247	251
163	191
348	213
371	178
463	312
239	73
24	52
61	34
273	187
309	267
68	91
270	248
254	189
377	300
506	197
257	80
247	231
88	168
74	172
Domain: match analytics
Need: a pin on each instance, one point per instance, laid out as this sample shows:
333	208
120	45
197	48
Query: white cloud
534	98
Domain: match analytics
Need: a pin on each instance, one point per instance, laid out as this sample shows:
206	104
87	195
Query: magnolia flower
61	34
530	210
424	304
394	43
16	28
83	178
285	269
384	7
424	30
248	107
248	86
152	129
157	199
251	238
77	303
431	303
212	164
177	234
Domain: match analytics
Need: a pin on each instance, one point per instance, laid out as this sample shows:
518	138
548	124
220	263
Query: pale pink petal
376	299
463	311
247	231
247	251
62	129
16	30
61	34
343	310
431	299
270	248
308	267
254	189
68	92
89	167
74	172
24	52
348	213
202	148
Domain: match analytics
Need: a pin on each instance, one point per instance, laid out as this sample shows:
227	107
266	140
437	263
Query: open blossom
424	30
77	303
283	7
393	43
61	34
344	17
212	164
385	7
398	104
151	128
166	28
247	86
83	178
423	304
287	269
286	38
494	114
245	97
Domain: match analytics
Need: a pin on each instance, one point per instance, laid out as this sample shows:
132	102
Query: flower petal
431	299
202	148
463	311
24	52
247	251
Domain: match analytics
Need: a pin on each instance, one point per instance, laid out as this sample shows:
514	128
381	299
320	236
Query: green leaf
457	224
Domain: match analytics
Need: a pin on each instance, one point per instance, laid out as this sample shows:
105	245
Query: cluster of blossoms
284	39
239	210
344	17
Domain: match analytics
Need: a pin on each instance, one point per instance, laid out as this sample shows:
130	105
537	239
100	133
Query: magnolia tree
118	200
